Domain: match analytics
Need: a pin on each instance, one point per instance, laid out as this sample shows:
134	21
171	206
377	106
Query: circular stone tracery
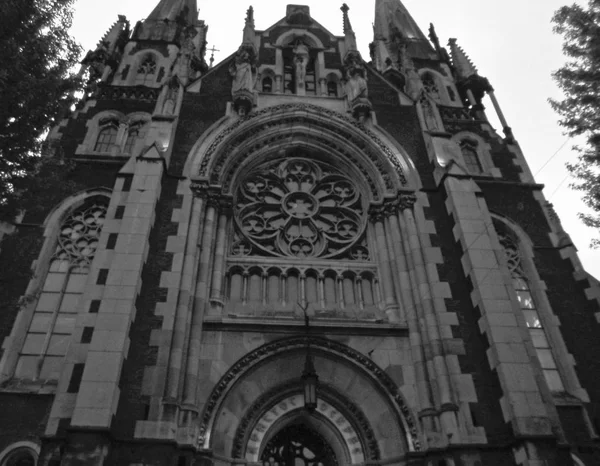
299	208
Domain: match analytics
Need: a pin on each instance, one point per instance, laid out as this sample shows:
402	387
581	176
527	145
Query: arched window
310	81
332	89
57	305
430	86
146	71
529	308
267	84
136	132
470	156
20	457
107	137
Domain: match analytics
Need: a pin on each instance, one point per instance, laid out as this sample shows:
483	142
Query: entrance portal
298	445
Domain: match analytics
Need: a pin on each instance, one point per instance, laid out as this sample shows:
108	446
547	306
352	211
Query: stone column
183	316
200	303
409	303
216	289
389	296
431	327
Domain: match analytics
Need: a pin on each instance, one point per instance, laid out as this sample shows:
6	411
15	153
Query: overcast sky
510	42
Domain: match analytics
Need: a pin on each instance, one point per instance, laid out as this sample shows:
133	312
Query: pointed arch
274	367
233	145
534	309
36	347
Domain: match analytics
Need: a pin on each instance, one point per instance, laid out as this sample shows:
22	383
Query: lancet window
135	132
57	304
471	157
529	308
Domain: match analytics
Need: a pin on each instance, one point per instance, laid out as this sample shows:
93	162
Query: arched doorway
298	445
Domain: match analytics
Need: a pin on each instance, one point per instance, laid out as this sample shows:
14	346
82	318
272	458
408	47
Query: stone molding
300	113
260	354
345	407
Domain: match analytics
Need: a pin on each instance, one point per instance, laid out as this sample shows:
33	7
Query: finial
212	55
249	32
347	26
250	16
433	36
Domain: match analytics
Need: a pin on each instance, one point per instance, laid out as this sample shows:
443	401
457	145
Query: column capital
392	206
212	194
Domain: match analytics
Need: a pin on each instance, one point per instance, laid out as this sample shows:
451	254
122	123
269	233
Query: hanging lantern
310	381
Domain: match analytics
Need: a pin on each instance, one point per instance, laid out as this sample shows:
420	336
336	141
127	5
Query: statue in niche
300	61
243	70
429	114
356	82
171	97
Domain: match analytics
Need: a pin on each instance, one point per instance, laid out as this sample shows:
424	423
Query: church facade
297	256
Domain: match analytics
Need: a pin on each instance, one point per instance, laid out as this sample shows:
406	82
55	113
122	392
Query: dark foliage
579	79
37	56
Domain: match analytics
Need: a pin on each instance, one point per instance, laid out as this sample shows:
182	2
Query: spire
462	63
348	32
392	18
174	10
249	31
397	36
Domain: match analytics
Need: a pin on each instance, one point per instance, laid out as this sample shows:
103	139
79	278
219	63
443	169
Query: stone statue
300	61
356	83
242	70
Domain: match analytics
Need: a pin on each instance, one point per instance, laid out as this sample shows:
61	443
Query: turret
472	86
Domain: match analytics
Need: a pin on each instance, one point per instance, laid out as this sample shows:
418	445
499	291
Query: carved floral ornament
300	208
246	363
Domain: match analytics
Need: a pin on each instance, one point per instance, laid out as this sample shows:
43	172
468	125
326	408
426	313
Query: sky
510	42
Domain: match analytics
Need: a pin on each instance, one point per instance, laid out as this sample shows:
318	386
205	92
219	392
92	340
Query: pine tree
37	58
579	110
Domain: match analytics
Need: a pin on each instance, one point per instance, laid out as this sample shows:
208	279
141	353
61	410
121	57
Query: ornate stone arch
356	373
230	148
294	34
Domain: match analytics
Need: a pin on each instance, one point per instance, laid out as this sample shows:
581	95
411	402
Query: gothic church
299	256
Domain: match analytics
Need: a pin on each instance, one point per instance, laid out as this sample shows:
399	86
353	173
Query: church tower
299	256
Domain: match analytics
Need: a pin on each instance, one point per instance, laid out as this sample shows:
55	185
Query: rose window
79	234
300	208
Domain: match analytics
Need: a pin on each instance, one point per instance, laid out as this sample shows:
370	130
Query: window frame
549	321
15	341
483	151
122	122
